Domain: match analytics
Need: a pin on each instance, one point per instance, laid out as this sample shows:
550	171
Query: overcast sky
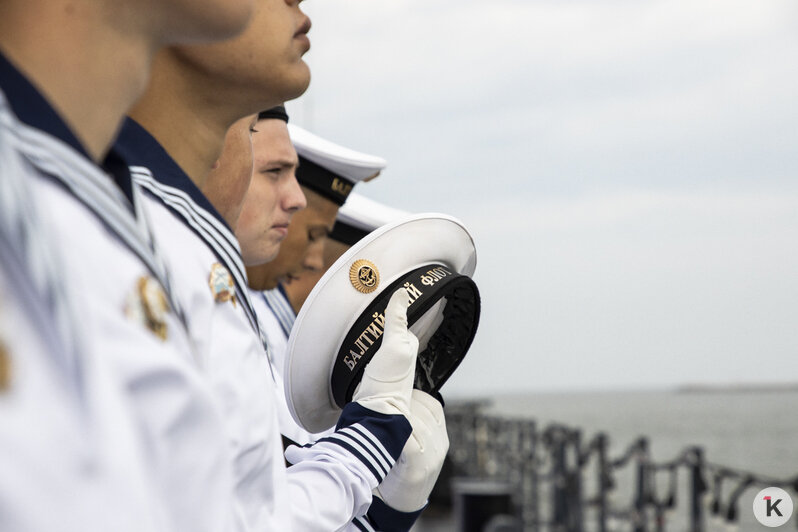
629	171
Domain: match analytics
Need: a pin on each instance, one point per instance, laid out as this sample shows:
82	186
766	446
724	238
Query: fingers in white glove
429	424
398	343
388	378
409	483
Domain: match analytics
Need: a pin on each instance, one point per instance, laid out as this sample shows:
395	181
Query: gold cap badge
364	276
222	286
148	305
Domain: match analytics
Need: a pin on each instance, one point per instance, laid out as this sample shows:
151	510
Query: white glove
409	483
388	378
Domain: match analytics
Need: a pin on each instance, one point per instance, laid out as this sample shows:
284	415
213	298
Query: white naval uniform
145	408
331	482
230	356
69	457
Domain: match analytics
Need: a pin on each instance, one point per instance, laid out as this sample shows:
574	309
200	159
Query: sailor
302	249
327	173
100	410
57	402
195	195
277	308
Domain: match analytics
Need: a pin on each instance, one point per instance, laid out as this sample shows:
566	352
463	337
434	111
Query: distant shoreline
695	388
738	388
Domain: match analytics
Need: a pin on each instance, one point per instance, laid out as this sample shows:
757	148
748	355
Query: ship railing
556	480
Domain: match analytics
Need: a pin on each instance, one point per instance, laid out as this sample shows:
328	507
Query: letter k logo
773	507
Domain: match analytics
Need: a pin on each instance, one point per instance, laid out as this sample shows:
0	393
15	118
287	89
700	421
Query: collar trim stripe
30	260
215	226
208	229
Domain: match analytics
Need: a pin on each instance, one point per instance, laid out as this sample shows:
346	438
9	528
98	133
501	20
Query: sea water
752	430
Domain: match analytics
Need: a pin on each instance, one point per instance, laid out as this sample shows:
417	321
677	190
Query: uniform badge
364	276
5	368
147	304
222	286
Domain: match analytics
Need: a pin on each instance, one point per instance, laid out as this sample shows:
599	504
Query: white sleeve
330	482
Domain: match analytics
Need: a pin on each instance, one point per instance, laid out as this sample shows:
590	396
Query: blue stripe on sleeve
392	431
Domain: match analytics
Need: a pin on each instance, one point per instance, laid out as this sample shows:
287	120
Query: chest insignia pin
222	285
147	304
5	368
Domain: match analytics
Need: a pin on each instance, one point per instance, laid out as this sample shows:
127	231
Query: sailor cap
360	216
330	169
340	325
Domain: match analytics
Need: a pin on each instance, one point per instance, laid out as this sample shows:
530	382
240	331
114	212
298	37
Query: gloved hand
409	483
388	378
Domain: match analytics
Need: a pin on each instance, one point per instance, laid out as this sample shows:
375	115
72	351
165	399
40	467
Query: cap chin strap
456	319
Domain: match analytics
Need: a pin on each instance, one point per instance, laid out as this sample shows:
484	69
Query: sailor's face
303	249
229	179
299	289
273	195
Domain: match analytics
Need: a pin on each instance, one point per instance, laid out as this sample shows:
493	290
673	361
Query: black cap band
446	348
347	234
319	179
275	112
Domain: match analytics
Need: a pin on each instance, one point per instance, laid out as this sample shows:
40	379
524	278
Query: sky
628	171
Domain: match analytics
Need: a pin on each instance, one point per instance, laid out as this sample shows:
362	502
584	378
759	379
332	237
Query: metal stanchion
697	488
641	493
603	481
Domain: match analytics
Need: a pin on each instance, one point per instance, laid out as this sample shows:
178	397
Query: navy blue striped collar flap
155	170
